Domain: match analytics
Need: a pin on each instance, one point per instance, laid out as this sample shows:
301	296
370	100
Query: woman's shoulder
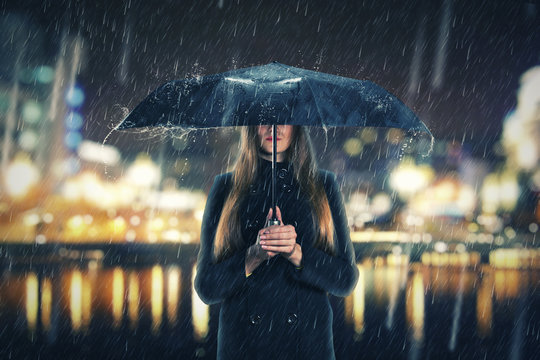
327	177
224	179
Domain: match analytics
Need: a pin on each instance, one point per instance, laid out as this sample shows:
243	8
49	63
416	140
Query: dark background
130	47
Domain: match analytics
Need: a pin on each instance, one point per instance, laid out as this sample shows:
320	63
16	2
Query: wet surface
409	311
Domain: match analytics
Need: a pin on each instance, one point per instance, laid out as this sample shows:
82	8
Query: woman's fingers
278	214
277	232
278	249
284	242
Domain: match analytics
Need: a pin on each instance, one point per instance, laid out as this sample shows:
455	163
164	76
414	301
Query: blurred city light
21	176
74	97
144	172
44	74
500	191
98	153
73	120
31	112
353	146
408	178
28	140
73	139
199	310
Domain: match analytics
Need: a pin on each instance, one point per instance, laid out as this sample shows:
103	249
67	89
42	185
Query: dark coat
278	312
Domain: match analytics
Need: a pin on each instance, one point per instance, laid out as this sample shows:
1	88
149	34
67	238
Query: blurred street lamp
409	178
21	176
144	172
500	192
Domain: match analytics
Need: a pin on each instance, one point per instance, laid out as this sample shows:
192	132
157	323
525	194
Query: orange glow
157	298
484	305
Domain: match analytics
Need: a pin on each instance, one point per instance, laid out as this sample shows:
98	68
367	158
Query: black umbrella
272	94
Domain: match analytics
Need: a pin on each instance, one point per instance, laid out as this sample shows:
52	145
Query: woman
272	281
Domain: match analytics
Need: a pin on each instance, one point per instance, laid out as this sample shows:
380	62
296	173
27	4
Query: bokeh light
74	120
28	140
73	139
21	176
44	74
31	112
74	97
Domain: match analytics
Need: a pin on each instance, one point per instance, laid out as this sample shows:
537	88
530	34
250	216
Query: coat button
286	188
254	224
254	319
252	189
292	319
282	173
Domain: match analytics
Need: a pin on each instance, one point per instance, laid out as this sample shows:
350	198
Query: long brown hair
300	153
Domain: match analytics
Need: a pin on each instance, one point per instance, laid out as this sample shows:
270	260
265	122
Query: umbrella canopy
272	94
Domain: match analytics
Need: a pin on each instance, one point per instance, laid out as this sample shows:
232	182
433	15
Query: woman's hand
280	239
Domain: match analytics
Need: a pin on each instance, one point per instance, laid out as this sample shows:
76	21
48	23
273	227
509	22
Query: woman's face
284	138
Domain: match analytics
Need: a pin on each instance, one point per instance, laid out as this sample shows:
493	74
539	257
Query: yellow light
508	191
466	200
32	300
46	304
415	306
117	297
173	294
381	204
484	305
359	296
21	175
76	300
199	310
407	178
133	300
353	146
490	194
156	224
143	172
31	219
394	136
157	298
368	135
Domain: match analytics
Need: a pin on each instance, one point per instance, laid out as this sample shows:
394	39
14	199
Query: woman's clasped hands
278	239
273	240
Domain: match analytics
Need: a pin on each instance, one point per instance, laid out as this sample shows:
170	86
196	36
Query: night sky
457	64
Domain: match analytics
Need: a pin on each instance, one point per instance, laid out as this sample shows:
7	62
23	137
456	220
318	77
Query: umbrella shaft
274	160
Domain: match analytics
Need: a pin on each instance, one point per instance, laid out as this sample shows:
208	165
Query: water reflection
134	299
199	310
484	304
31	301
46	304
415	306
117	297
407	306
80	301
173	294
157	298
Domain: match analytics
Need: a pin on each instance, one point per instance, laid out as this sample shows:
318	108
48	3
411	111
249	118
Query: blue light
73	139
74	97
74	121
72	165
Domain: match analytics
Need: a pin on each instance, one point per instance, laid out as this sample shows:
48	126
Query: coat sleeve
216	281
336	274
